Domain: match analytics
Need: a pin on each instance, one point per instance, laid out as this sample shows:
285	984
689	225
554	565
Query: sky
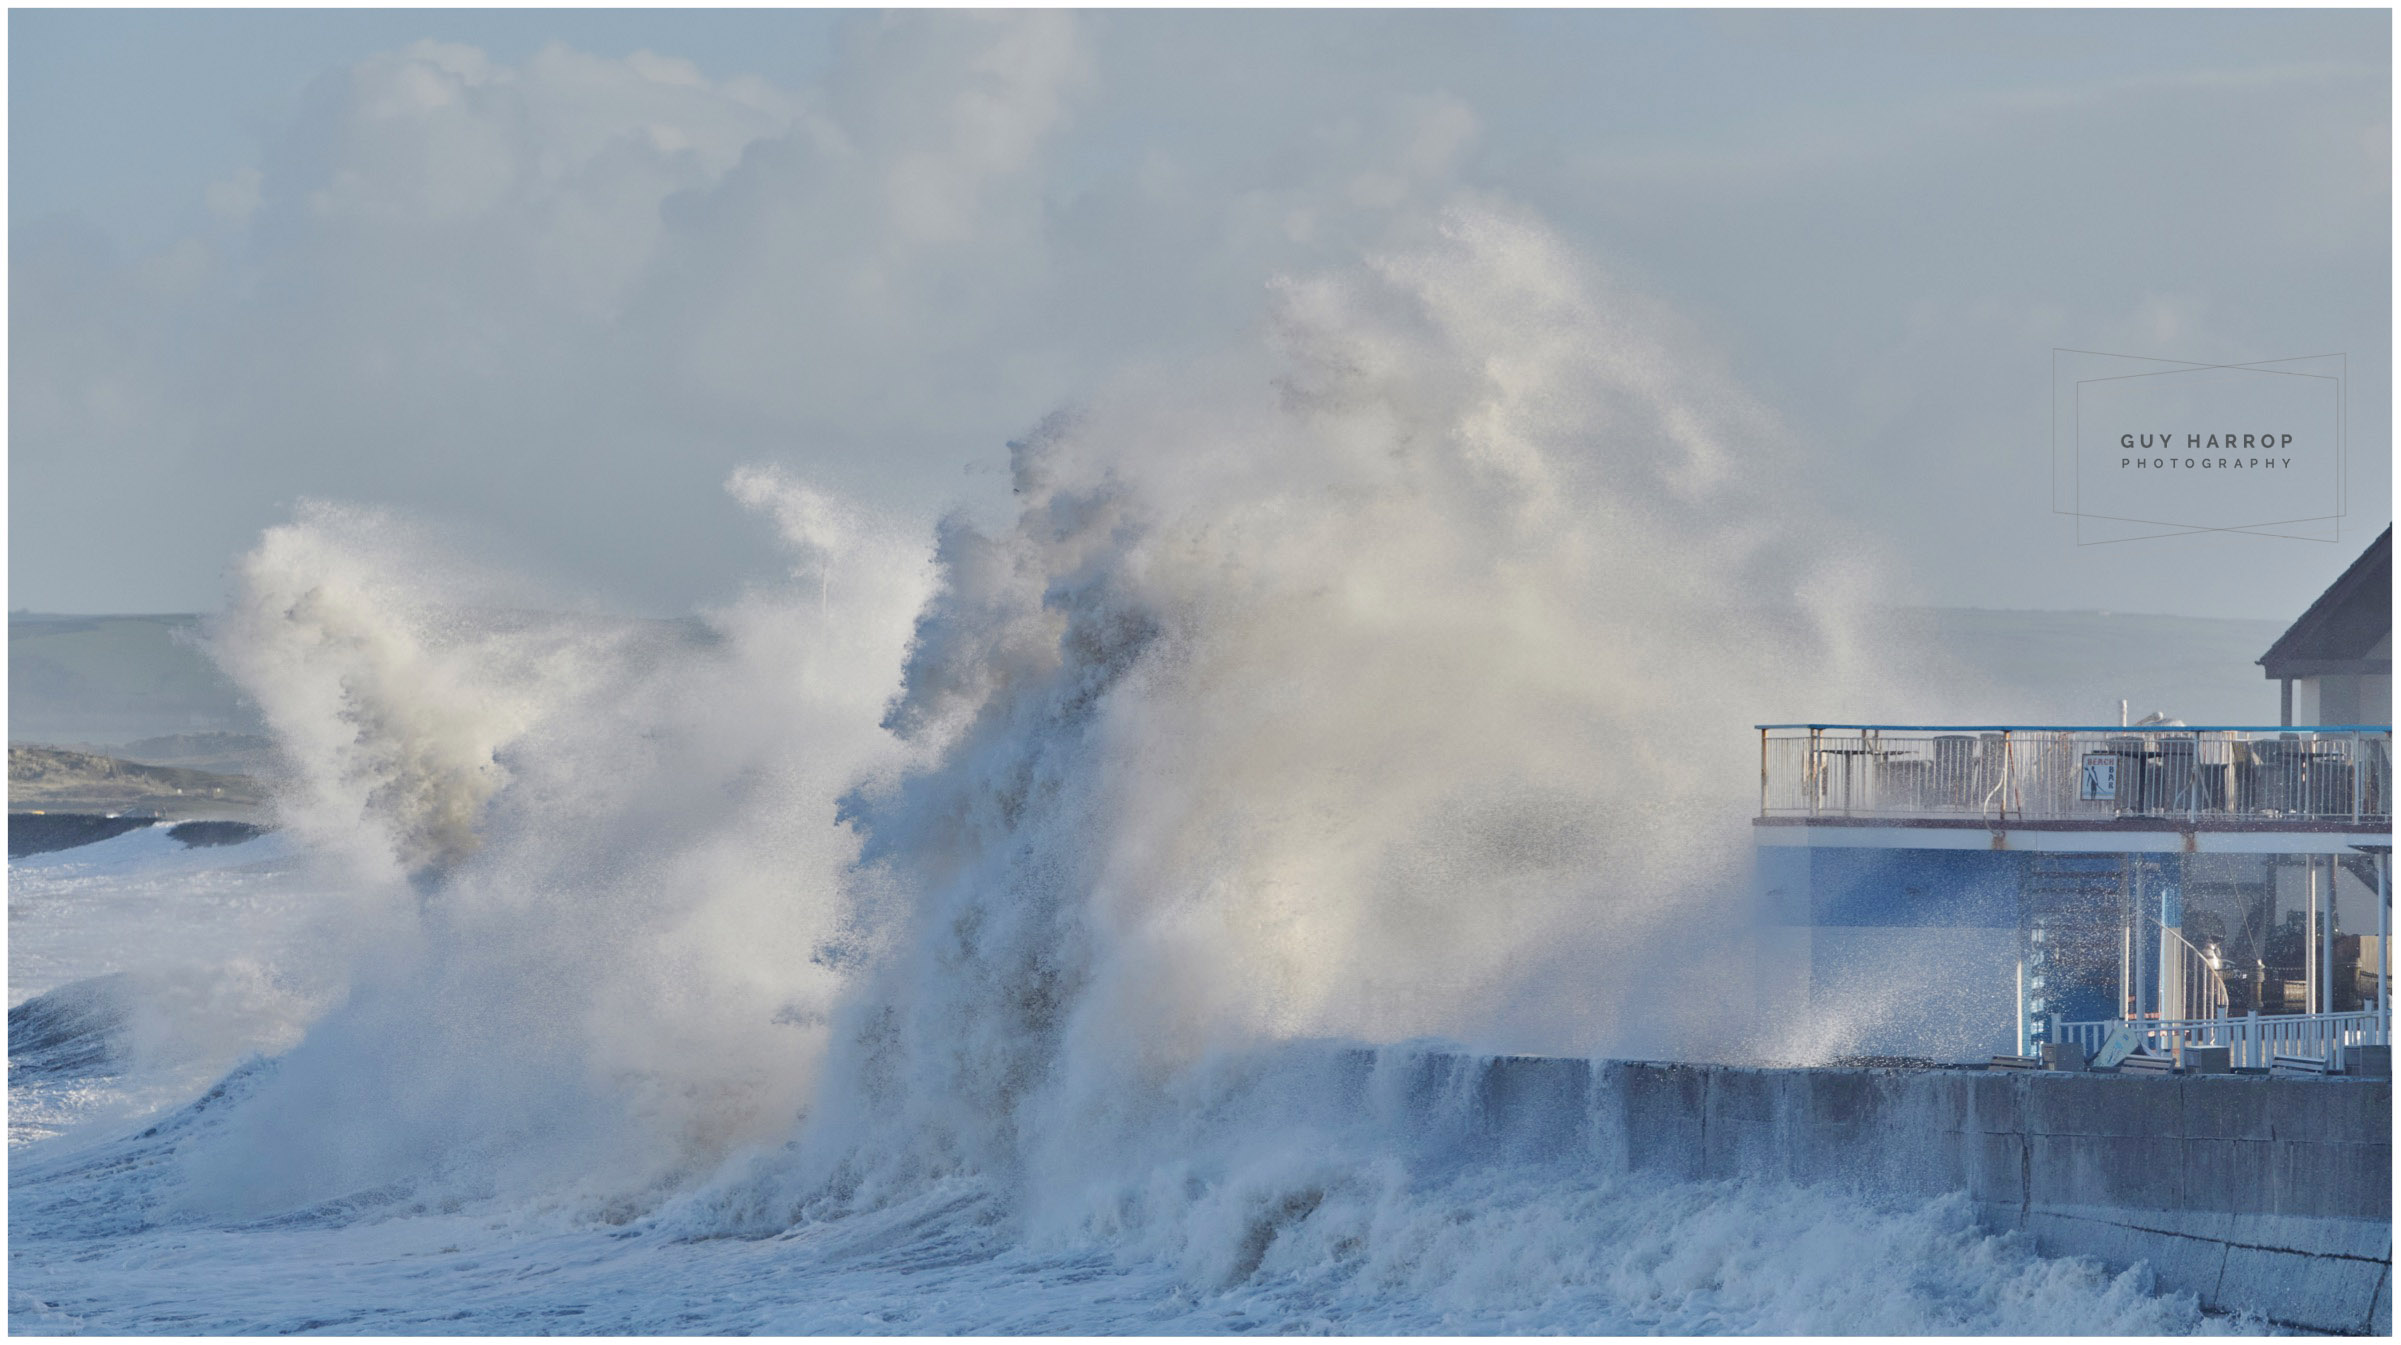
546	278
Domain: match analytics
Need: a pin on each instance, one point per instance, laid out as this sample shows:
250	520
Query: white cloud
561	298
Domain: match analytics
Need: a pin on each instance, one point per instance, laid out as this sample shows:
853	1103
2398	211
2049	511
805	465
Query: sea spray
1394	684
1391	680
351	631
624	889
984	932
1401	688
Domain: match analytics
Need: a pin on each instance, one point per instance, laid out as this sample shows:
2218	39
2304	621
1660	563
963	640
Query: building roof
2341	631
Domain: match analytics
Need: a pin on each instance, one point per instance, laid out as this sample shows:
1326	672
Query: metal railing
2020	773
2252	1040
2190	979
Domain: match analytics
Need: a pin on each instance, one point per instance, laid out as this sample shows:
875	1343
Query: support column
2171	961
2126	997
2326	936
2309	934
2137	917
2021	1046
2125	964
2384	958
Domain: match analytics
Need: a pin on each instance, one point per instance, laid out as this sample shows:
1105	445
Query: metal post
2358	760
2326	940
2128	1000
2135	917
2252	1055
2384	957
2021	1048
1763	772
2003	786
2125	962
2169	966
2309	938
1869	747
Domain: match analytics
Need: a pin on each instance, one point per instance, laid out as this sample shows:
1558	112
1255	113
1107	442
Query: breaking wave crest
992	891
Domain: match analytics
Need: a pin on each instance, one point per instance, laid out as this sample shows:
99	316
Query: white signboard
2100	776
2122	1040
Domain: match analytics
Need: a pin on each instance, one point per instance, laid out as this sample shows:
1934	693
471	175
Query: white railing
2199	775
2252	1039
2197	987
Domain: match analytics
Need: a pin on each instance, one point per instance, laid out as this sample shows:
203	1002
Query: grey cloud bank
550	279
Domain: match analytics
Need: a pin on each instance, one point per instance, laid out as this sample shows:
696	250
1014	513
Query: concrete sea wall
2266	1195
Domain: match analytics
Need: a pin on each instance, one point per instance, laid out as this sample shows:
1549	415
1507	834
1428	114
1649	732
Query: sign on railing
2319	774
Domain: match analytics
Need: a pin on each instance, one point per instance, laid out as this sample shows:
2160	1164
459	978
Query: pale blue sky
240	277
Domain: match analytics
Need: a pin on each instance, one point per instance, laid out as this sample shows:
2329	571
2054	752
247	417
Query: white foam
947	926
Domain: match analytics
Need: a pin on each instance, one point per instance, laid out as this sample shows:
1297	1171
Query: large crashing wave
599	896
1396	685
1392	681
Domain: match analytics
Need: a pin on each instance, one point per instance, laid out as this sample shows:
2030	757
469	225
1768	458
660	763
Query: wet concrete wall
2272	1196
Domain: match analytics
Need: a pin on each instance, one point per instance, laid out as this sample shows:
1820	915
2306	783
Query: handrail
2253	1039
2197	774
2220	997
2093	728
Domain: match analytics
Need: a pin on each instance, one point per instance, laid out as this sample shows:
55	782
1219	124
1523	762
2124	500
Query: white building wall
2343	699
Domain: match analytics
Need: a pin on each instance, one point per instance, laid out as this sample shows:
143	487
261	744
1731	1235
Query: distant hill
225	753
52	780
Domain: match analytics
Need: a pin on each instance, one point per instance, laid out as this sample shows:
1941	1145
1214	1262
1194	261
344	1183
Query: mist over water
986	902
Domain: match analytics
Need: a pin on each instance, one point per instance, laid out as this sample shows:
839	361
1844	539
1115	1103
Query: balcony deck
2320	788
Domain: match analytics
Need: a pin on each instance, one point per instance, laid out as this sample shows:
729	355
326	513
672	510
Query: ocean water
1273	1201
967	930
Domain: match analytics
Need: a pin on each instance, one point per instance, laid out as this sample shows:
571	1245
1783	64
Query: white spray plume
390	704
1398	684
631	903
1393	680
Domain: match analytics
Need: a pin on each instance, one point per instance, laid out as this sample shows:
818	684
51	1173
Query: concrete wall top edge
1800	832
